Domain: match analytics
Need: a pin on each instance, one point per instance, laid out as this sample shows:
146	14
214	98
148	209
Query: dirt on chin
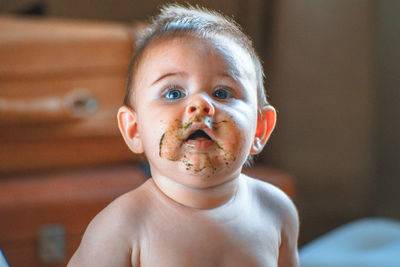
227	145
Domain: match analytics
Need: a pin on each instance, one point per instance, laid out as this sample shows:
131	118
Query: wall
386	195
323	84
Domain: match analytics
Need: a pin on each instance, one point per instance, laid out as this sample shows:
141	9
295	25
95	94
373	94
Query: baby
195	105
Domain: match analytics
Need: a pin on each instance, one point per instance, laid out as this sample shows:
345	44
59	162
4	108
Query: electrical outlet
52	243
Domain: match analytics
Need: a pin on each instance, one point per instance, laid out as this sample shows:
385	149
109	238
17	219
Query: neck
199	198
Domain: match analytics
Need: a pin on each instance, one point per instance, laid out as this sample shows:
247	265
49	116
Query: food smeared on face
203	146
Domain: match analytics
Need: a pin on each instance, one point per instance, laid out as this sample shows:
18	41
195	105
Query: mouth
199	135
200	138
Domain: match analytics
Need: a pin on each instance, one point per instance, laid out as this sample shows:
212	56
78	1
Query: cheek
232	140
159	133
150	133
171	141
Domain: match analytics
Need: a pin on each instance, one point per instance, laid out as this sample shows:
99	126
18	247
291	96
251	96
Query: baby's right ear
127	123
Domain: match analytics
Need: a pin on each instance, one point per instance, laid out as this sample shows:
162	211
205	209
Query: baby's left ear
265	125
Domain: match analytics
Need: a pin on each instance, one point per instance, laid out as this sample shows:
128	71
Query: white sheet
370	242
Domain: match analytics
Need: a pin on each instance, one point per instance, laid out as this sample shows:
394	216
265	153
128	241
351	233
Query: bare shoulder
112	237
274	199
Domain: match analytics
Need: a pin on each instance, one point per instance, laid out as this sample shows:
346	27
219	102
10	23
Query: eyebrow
167	75
230	76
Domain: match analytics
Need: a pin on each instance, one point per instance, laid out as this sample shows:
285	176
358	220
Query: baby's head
178	21
195	97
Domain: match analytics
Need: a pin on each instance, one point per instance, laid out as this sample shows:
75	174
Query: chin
205	177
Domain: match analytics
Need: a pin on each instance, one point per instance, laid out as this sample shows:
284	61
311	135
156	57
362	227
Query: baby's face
196	120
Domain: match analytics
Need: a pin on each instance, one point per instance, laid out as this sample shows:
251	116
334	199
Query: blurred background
332	72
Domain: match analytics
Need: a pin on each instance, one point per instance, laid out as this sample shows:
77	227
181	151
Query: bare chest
201	242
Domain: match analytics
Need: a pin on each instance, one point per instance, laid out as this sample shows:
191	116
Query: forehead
236	60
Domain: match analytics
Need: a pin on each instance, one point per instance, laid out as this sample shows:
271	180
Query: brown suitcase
61	83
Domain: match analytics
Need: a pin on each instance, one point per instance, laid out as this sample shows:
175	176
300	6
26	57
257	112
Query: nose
200	106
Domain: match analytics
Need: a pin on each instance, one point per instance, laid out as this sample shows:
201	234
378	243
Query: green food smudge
161	140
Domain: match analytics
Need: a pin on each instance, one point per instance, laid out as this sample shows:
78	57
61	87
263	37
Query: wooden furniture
43	216
61	83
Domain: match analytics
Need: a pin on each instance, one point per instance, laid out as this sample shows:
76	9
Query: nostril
207	110
192	109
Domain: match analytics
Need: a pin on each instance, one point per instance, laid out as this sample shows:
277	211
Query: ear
265	125
127	123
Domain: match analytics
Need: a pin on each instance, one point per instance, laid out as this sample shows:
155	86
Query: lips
200	137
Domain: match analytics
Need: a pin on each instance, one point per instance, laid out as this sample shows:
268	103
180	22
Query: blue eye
174	94
222	94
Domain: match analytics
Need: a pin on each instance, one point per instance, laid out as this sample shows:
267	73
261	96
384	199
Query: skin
197	209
